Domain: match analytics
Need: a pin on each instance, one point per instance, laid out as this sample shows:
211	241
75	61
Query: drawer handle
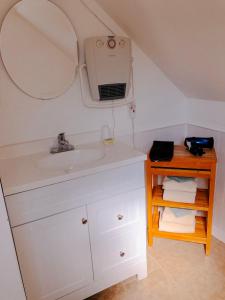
122	254
120	217
84	221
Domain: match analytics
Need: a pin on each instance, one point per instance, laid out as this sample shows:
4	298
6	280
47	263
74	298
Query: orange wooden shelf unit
182	164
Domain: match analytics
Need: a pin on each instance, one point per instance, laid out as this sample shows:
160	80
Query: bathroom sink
69	160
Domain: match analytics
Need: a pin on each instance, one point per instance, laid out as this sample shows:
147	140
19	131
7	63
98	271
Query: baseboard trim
218	233
207	126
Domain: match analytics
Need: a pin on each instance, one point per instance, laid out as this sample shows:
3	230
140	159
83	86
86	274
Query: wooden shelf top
199	236
201	200
182	158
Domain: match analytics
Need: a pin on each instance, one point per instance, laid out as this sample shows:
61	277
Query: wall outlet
132	109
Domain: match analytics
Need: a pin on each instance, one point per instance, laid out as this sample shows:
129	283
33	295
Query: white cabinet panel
54	255
11	286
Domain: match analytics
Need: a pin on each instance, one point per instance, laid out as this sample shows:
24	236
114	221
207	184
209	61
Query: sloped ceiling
185	38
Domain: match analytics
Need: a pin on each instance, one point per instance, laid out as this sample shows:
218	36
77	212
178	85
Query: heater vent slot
112	91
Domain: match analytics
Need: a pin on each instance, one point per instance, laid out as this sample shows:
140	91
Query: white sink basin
69	160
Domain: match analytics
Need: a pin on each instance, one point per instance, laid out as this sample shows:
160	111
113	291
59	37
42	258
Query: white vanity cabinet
54	254
78	237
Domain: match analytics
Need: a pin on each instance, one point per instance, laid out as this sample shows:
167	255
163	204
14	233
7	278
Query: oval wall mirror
39	48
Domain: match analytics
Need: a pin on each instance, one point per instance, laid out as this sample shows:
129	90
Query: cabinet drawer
114	252
115	213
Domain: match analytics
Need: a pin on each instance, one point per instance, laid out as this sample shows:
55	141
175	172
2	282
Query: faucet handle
61	137
63	144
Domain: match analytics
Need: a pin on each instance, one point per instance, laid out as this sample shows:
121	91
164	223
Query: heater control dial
111	43
99	43
122	43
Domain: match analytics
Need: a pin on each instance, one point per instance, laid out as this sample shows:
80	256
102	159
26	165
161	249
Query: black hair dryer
196	144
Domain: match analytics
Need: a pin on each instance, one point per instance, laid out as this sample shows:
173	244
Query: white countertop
23	173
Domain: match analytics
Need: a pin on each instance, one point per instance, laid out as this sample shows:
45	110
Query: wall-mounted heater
109	68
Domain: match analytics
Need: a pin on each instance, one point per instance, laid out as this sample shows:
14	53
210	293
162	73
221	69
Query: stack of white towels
177	220
179	189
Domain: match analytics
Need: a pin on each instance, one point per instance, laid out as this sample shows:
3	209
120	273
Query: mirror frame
76	54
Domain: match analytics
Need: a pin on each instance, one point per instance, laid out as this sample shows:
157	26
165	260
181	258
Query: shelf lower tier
199	236
201	201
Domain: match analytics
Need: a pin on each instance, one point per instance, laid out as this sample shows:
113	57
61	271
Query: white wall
206	113
219	199
159	102
206	118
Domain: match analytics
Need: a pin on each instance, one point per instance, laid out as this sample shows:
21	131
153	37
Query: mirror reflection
39	48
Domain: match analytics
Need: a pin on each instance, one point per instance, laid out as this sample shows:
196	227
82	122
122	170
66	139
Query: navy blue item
196	144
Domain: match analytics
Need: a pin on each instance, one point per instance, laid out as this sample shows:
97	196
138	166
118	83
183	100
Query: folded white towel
186	186
178	216
179	196
176	228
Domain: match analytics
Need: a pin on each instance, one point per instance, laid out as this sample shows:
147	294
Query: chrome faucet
62	146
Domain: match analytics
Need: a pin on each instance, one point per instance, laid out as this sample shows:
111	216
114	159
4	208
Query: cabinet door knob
122	254
120	217
84	221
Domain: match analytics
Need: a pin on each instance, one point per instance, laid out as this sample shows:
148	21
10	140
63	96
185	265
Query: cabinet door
54	254
11	287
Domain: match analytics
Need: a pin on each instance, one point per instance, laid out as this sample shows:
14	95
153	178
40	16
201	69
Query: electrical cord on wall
114	122
132	110
82	91
133	132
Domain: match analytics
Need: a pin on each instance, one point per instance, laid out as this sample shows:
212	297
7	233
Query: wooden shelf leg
150	238
208	248
210	211
148	180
